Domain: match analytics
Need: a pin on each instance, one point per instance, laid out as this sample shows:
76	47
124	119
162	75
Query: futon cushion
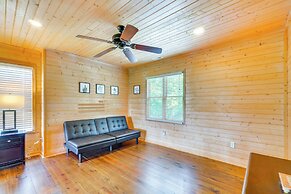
101	125
123	133
116	123
94	139
80	128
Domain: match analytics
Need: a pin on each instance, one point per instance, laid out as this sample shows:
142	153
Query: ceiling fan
122	41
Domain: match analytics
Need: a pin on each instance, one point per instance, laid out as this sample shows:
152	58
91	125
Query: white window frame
32	94
164	119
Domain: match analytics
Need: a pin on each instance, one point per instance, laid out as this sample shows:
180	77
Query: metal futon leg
80	158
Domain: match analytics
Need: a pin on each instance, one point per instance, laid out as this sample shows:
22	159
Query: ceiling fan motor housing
120	28
117	41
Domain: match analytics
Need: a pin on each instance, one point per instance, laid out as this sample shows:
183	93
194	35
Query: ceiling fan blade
105	52
129	55
92	38
146	48
128	32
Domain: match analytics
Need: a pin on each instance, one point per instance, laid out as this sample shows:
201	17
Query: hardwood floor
143	168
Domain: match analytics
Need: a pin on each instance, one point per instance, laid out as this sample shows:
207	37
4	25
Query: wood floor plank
142	168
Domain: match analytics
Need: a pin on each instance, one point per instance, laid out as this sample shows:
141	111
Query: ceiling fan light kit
122	41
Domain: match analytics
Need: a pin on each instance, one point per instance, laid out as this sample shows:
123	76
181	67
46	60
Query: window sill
166	121
31	132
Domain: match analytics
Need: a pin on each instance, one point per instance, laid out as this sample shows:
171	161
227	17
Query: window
165	98
18	80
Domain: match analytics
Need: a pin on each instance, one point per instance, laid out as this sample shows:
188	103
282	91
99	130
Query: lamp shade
9	101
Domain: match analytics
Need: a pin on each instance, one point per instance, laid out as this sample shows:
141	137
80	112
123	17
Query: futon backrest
101	125
80	128
116	123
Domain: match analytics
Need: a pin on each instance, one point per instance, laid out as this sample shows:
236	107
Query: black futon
83	136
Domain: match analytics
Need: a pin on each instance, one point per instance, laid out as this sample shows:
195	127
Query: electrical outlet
164	133
232	144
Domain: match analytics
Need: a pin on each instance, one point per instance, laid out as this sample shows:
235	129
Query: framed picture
100	89
84	87
136	89
114	90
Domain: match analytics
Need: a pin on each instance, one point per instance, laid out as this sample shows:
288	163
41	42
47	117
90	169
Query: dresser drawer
11	139
10	142
11	155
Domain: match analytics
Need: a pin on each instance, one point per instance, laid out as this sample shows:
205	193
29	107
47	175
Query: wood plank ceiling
167	24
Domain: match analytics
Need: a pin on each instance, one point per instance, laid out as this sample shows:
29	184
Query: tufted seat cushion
123	133
80	128
101	125
86	141
116	123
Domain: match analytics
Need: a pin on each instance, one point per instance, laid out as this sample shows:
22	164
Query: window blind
18	80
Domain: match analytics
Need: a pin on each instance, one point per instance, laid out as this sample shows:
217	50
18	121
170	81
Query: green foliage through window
165	98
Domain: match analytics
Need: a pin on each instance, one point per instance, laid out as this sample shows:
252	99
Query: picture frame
100	89
84	87
136	89
114	90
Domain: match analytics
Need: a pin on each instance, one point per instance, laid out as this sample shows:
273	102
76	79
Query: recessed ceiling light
199	31
35	23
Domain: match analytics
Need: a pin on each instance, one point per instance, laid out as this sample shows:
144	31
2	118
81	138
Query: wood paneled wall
234	92
63	72
31	58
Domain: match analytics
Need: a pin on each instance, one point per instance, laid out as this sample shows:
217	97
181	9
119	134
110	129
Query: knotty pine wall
63	72
234	92
31	58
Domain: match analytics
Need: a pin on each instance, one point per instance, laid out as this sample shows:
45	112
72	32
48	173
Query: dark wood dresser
12	149
262	175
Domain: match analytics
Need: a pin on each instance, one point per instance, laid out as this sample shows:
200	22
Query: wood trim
286	102
288	64
44	114
17	62
54	154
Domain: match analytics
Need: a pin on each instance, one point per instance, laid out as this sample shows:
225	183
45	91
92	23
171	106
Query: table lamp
9	103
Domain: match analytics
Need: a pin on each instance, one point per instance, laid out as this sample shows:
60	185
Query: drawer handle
9	141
